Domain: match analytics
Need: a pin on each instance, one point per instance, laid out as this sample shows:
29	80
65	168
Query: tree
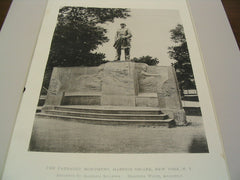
146	59
77	34
180	53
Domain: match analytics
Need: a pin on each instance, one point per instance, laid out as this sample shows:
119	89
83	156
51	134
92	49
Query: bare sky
150	29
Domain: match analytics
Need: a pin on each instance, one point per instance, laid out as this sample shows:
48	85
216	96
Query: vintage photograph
118	80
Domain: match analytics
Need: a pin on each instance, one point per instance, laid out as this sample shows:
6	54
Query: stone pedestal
118	84
126	84
169	98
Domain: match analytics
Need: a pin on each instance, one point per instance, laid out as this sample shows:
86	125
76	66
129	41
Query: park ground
55	135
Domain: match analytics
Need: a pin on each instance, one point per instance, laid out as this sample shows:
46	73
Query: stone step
108	116
102	121
110	109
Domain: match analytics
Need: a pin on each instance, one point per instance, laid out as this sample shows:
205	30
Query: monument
118	86
123	42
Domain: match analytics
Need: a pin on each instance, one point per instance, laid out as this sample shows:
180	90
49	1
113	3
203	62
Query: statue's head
123	25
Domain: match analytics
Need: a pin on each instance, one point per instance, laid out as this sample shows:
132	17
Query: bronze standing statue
123	41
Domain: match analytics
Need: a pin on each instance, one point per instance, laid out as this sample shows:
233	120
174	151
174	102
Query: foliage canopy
146	59
180	53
